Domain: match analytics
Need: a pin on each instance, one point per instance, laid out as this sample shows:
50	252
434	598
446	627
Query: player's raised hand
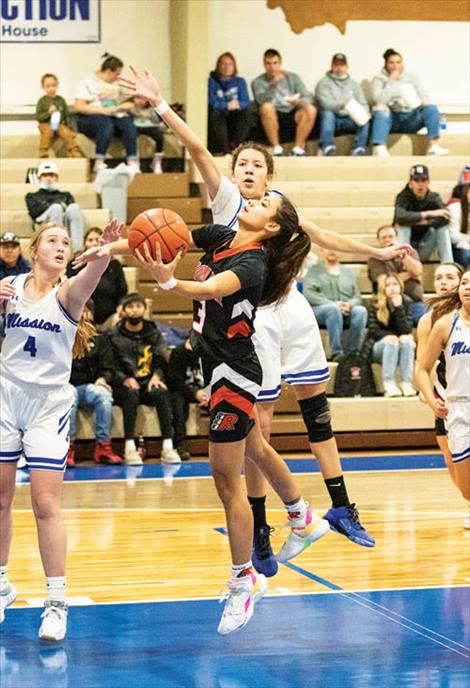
91	255
111	233
142	84
160	271
394	252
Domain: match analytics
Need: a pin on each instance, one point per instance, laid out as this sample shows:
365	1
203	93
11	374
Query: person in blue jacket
229	113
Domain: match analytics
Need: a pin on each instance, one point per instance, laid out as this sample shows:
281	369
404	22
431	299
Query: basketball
162	226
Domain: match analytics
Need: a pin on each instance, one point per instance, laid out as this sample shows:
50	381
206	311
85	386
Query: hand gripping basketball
159	226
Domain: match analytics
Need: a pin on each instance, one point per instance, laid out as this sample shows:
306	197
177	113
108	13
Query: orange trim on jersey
241	327
226	394
220	253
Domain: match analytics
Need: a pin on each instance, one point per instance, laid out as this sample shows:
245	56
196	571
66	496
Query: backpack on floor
354	377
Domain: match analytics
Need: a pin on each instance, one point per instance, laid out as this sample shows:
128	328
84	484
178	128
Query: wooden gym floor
148	557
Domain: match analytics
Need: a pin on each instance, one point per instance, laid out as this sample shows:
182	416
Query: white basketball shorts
458	429
35	422
289	347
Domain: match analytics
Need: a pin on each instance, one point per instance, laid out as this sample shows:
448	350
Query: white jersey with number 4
287	339
39	337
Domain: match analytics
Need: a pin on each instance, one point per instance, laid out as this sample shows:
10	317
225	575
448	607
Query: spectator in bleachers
401	105
186	385
337	97
229	114
111	287
103	112
333	292
12	261
409	270
91	379
49	204
390	332
459	226
284	105
140	368
422	218
148	123
53	117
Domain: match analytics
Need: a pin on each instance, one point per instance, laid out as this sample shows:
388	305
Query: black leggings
129	399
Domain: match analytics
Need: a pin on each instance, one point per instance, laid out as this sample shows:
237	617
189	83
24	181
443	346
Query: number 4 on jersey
30	346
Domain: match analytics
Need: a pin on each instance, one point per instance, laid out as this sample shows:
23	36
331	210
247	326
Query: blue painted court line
195	469
400	639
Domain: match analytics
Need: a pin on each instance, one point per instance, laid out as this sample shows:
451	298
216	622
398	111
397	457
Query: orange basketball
162	226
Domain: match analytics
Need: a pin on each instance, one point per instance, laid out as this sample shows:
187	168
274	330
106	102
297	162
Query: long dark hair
111	62
286	251
442	305
465	209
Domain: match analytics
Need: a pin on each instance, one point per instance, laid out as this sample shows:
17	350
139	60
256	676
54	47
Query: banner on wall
50	21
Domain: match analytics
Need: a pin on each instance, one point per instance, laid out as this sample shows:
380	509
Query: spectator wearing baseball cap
422	218
11	259
401	105
49	204
339	98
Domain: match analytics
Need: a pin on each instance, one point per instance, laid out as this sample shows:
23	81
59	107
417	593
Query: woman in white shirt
102	112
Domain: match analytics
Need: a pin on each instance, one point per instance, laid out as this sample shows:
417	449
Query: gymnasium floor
148	557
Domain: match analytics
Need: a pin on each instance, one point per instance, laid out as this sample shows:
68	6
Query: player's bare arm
144	84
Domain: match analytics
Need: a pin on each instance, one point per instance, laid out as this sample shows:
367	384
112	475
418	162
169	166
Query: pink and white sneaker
240	599
303	531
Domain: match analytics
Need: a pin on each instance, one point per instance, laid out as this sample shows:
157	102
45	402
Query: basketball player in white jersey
451	334
287	338
42	313
446	279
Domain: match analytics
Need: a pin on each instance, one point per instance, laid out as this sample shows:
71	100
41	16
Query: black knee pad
317	418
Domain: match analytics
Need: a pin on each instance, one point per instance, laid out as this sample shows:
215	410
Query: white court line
207	477
279	593
112	509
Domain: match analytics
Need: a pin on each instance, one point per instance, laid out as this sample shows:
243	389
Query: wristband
168	285
162	108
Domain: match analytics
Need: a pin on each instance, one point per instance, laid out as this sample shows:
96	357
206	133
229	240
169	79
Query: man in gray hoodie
332	93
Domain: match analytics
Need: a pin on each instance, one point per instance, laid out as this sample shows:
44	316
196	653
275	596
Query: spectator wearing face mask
49	204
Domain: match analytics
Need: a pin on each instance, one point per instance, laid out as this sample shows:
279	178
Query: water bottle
443	123
141	447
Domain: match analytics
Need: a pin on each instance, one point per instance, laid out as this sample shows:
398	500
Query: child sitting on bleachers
52	115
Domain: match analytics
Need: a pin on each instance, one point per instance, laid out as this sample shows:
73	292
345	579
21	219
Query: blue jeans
71	217
385	122
103	128
392	356
432	240
416	310
461	256
329	314
331	124
101	401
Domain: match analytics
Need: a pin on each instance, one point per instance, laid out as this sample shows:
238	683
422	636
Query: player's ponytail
286	251
85	333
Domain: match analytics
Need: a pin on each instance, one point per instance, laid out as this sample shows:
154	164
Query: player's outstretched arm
144	84
337	242
218	286
76	291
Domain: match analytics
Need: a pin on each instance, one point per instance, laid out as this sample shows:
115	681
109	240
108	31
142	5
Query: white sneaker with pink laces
240	599
303	531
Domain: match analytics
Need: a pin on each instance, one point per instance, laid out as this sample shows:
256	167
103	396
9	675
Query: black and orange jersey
223	327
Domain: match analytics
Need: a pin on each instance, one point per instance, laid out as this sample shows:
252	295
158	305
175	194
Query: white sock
239	569
129	445
56	588
167	444
297	509
4	583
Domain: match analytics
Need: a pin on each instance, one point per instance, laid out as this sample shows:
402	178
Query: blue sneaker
345	520
262	556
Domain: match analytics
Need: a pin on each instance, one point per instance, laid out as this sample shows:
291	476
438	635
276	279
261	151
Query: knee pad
317	418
